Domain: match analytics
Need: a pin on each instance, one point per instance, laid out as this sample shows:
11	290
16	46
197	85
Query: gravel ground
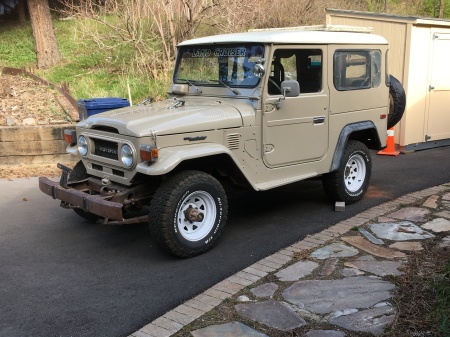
26	171
24	101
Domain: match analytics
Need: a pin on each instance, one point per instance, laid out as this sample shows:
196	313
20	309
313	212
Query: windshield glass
217	65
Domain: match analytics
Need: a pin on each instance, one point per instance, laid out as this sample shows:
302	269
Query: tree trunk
441	9
21	9
45	44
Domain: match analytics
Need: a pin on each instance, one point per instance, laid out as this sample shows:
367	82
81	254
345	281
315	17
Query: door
296	128
438	123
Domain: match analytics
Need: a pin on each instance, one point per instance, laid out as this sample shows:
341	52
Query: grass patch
422	293
16	46
89	69
441	287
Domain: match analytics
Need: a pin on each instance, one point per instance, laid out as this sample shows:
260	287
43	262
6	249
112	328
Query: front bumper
95	204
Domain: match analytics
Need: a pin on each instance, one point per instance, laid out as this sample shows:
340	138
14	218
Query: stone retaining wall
34	145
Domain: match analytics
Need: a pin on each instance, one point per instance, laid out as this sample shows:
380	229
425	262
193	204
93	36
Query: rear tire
350	182
187	195
79	173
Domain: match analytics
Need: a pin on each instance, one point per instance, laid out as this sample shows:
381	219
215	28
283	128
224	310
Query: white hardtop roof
327	34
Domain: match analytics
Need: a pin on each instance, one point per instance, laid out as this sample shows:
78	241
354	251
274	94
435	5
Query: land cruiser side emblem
193	139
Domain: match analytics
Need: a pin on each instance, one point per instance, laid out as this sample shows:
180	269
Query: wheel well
364	132
369	137
221	166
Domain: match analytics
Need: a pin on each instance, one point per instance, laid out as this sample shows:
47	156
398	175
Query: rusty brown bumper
90	203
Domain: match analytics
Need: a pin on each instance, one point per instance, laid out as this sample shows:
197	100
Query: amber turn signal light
70	136
148	153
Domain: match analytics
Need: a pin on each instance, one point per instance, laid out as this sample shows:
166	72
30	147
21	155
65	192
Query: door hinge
430	87
427	138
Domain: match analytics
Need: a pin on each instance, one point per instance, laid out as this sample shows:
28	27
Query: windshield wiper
234	91
199	91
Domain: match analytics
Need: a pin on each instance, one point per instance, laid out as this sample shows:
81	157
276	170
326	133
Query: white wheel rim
355	173
197	230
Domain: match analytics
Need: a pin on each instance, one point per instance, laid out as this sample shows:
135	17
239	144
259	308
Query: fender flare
171	157
343	138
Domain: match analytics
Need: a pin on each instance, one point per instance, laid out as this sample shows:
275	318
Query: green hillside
89	71
107	50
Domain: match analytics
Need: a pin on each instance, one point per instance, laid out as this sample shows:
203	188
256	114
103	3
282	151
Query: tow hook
193	214
64	174
106	192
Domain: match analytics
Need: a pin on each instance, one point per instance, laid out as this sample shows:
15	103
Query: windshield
218	65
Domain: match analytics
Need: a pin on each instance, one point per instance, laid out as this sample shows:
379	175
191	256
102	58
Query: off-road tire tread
79	173
398	97
161	208
333	182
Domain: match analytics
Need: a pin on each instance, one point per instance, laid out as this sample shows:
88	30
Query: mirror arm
278	104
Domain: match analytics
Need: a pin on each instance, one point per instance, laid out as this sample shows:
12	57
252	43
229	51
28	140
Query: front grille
106	149
97	167
118	173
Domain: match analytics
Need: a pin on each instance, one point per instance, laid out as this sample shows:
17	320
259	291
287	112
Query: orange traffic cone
389	150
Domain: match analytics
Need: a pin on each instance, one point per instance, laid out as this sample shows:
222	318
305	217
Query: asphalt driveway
61	276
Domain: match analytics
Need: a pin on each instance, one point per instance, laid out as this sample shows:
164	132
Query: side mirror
180	89
258	70
290	88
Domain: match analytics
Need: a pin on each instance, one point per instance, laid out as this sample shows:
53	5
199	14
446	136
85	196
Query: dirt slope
26	102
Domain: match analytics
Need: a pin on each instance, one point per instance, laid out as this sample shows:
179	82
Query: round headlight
82	145
126	155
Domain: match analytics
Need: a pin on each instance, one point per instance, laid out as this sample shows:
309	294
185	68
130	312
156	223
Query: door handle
319	120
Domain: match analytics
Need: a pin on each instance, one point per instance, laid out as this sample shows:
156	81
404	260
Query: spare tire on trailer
397	102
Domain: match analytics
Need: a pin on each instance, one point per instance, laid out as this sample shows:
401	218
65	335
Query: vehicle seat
277	75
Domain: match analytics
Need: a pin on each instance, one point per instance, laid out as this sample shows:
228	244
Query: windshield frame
222	57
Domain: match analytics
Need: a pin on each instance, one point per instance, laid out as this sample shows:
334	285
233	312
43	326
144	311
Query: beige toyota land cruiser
259	109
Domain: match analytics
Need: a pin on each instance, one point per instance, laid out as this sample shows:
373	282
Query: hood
166	118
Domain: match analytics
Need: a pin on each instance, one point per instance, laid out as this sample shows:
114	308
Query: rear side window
357	69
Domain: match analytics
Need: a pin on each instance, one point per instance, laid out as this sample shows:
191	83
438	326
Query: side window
386	74
283	67
376	68
302	65
310	71
357	69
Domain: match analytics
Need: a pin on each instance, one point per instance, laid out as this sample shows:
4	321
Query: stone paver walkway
337	285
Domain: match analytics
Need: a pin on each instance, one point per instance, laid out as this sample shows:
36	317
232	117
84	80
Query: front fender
170	157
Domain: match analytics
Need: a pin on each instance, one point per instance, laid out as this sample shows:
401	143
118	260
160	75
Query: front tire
187	213
350	182
79	173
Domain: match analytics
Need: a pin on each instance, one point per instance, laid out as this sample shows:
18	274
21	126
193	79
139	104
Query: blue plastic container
92	106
